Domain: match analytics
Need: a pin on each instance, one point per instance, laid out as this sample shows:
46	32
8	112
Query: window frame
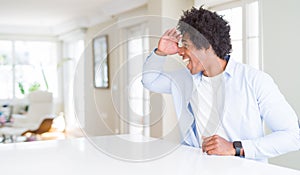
223	5
13	40
127	126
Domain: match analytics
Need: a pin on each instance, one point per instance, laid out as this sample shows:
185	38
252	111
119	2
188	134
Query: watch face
237	144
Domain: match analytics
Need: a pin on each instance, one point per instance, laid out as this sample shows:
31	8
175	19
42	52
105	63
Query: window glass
138	108
237	50
253	34
27	66
244	31
252	19
6	81
6	78
5	52
253	52
234	18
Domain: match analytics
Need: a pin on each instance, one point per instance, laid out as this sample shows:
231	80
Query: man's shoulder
246	69
251	74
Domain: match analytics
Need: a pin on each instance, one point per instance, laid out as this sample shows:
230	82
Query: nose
181	51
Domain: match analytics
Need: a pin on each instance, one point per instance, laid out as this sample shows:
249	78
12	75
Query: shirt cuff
249	149
160	56
153	55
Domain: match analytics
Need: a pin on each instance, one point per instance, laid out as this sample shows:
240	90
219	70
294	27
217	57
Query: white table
79	156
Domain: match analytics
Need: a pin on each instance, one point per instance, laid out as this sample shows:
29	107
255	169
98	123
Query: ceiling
52	17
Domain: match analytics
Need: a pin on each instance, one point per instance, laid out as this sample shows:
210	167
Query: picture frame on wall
100	62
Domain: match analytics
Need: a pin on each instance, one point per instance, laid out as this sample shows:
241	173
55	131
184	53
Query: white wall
101	116
99	113
94	125
280	34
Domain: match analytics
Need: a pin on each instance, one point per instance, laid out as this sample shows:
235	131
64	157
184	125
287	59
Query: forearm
272	145
154	78
152	67
279	116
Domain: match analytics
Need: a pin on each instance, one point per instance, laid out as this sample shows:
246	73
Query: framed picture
100	58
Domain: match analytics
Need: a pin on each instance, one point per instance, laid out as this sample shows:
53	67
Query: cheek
194	61
196	65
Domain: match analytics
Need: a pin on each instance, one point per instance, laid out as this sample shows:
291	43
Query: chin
193	73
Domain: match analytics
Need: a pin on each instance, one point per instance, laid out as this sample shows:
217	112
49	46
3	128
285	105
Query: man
227	101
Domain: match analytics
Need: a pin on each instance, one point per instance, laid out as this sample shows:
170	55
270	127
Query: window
234	17
26	66
243	18
139	97
73	51
6	70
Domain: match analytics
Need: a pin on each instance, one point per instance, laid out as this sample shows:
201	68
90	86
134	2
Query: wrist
233	151
160	53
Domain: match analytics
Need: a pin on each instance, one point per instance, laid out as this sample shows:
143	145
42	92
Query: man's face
195	56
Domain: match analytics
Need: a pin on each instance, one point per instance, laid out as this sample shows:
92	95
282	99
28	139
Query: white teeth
186	60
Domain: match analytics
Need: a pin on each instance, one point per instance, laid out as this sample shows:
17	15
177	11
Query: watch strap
237	151
237	145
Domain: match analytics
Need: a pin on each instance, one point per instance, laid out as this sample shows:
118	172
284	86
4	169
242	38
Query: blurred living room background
47	63
46	46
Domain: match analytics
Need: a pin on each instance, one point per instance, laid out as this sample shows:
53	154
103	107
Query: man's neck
216	67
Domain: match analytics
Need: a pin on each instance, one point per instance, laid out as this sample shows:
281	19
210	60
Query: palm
168	43
167	46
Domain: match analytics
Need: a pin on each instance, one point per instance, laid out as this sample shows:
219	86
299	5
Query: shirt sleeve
153	76
279	117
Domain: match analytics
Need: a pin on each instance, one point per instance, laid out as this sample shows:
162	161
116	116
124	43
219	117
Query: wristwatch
237	145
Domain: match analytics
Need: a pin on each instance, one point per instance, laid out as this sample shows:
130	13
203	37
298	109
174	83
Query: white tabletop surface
79	156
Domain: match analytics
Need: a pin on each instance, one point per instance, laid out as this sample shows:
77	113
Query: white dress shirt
251	98
207	103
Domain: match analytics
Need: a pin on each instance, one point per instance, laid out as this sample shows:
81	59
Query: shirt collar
230	67
197	77
228	70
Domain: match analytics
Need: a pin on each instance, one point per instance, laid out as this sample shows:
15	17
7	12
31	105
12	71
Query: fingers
210	144
167	32
209	149
178	36
205	142
206	139
218	146
173	33
170	32
168	43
